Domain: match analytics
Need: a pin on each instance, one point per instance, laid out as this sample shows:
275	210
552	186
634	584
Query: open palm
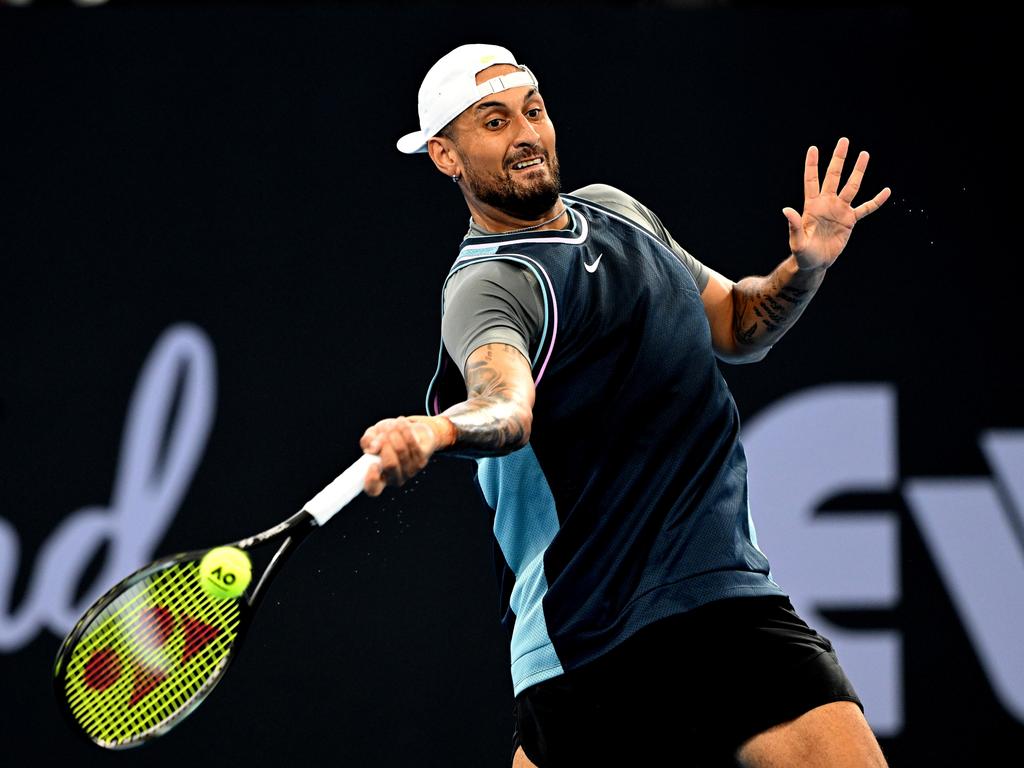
820	233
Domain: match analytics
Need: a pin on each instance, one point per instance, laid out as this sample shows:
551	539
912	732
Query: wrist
808	270
443	429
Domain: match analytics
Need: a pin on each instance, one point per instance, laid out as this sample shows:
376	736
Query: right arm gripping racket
148	652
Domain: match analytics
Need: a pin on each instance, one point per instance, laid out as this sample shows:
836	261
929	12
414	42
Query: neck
496	221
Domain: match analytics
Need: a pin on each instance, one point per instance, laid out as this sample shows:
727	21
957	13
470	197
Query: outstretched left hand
819	235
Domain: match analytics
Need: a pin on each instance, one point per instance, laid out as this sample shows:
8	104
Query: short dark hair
449	131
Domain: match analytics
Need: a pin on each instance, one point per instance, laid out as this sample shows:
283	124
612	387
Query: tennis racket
147	653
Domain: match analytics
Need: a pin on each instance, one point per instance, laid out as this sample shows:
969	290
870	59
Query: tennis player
578	366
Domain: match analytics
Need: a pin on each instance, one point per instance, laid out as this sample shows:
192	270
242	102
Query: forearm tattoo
494	419
764	308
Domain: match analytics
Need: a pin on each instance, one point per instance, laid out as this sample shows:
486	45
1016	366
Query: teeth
535	161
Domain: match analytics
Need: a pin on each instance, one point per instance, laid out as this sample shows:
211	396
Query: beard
526	197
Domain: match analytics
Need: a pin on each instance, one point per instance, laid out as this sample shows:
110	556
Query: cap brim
412	143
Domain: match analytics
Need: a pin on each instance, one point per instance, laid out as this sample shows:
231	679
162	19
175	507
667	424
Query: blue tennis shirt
629	504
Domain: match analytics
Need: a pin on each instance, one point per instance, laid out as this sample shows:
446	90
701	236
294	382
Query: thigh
520	760
834	735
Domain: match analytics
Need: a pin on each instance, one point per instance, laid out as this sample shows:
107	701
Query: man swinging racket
578	366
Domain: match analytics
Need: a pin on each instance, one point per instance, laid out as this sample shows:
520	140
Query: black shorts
686	690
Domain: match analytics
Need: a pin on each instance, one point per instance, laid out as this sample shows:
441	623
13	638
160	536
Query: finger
853	183
873	204
796	229
378	434
373	483
413	460
811	173
389	469
373	432
367	439
400	446
835	167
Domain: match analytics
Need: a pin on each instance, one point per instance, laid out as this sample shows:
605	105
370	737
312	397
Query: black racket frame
293	530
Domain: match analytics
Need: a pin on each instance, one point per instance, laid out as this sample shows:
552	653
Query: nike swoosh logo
593	267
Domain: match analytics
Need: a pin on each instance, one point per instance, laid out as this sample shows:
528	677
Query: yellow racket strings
148	654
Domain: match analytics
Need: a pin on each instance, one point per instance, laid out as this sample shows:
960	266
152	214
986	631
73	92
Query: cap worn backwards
450	86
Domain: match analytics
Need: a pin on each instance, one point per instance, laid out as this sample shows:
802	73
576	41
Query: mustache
537	152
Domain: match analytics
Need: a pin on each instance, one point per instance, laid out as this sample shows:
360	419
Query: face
498	132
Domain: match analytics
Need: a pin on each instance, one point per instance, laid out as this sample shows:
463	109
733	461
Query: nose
526	134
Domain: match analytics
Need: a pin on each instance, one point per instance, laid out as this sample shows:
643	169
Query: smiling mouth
526	165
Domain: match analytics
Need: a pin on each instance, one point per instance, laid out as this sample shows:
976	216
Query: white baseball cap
450	86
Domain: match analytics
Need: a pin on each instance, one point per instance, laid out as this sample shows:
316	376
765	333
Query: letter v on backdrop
829	440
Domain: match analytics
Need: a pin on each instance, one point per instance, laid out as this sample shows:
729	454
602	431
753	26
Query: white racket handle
341	491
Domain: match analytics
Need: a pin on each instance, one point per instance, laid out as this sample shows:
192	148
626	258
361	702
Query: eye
495	120
538	110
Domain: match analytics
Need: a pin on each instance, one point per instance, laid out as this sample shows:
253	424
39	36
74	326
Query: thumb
796	227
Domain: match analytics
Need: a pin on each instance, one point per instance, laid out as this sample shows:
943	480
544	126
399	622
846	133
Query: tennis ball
225	572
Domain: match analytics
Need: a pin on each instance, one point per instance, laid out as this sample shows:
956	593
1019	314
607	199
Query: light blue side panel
753	540
525	523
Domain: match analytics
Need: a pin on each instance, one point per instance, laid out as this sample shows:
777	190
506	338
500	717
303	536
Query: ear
445	156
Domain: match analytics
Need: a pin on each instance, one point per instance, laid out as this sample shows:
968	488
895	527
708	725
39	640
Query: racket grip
341	490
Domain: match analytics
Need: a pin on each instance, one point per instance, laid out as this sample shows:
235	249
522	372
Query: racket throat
300	524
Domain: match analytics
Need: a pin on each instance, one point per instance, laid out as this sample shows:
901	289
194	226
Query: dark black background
235	167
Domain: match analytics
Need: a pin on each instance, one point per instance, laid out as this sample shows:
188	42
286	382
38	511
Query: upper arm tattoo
497	415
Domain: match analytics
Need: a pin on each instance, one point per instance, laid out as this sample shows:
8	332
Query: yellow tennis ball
225	572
